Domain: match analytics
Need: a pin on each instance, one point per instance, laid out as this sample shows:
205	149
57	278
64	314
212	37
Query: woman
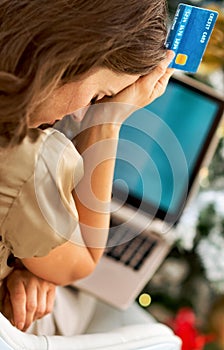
57	60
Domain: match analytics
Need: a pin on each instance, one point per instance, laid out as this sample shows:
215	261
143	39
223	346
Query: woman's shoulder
17	164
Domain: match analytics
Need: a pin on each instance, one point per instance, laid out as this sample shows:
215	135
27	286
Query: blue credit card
189	35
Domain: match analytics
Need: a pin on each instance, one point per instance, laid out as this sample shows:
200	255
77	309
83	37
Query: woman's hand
149	87
141	93
27	298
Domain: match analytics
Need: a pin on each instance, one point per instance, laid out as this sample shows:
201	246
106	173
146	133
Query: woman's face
71	97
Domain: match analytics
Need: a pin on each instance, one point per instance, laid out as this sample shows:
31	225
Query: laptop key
138	265
131	253
132	250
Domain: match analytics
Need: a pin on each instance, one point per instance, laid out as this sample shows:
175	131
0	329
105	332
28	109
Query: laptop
161	150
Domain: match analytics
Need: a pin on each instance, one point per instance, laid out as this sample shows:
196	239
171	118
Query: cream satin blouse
37	210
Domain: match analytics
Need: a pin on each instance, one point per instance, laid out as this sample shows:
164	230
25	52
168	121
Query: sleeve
43	214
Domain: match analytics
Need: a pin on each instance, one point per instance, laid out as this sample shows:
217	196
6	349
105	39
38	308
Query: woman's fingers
154	84
45	299
31	303
17	295
28	298
50	299
148	87
161	84
7	308
153	77
139	94
40	297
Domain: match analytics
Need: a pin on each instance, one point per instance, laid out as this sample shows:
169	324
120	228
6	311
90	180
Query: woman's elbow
77	273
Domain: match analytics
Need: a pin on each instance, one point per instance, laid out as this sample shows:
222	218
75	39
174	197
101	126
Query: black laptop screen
161	148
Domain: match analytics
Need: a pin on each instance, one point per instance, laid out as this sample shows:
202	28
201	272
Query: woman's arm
97	145
71	261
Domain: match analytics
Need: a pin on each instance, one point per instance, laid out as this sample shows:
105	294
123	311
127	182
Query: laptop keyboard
134	251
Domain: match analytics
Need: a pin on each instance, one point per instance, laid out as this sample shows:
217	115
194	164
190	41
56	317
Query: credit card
189	35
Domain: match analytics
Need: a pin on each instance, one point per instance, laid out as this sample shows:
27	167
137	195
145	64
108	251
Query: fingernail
20	325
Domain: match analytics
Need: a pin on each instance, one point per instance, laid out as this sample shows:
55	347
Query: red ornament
184	326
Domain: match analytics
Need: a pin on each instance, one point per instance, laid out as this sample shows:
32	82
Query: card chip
181	59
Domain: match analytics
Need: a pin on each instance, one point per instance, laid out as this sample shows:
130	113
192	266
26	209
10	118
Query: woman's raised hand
149	87
141	93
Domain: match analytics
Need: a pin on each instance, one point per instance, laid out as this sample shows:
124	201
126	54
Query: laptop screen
161	148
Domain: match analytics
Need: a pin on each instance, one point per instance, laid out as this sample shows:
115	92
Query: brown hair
44	43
